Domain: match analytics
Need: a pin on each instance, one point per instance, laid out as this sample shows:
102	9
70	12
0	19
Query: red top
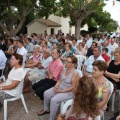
106	57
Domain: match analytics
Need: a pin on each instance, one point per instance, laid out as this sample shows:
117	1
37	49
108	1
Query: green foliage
14	13
97	18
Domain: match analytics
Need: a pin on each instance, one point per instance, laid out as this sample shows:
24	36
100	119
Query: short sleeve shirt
56	68
18	75
88	63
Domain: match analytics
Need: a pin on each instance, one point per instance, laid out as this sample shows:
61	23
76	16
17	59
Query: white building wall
72	29
65	25
56	19
36	27
62	21
55	30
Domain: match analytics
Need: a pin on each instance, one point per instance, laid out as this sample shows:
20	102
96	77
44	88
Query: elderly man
38	72
3	60
88	64
53	72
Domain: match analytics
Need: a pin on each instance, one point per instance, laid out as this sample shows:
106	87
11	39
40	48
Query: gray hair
37	47
99	48
48	51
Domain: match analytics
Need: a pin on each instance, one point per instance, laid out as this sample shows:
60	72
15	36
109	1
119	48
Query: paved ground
34	104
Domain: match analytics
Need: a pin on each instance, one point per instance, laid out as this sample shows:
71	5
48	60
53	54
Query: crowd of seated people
50	62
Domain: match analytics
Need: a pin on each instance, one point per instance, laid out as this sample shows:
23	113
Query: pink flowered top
36	58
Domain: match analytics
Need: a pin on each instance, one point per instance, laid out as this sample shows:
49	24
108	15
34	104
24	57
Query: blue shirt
3	60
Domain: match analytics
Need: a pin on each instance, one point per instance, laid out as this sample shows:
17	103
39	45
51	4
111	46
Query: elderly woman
62	90
104	87
113	71
35	58
13	85
81	50
85	105
67	52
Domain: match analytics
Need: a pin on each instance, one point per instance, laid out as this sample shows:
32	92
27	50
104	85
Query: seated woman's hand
57	90
61	117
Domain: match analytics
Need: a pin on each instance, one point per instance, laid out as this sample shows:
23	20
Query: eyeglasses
66	46
68	62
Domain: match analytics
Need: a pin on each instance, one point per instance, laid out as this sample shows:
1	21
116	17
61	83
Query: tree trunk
19	26
77	27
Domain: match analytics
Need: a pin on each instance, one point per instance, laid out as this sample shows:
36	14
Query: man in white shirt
3	60
113	45
88	63
21	50
38	72
89	42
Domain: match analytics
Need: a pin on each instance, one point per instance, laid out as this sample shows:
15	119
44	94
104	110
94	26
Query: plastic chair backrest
81	60
21	83
111	89
80	73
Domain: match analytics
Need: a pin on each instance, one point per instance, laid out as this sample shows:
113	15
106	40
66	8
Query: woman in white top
12	87
81	50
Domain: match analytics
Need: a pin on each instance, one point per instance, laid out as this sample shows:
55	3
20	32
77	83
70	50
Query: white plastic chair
81	60
111	90
65	106
80	73
2	75
20	96
13	99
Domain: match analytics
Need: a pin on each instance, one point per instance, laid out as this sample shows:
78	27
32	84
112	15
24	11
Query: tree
101	20
13	11
80	11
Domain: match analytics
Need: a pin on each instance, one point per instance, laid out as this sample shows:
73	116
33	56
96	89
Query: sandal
43	112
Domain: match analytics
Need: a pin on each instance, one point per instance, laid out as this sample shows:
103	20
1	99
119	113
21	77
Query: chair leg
119	100
24	104
5	110
102	118
113	101
61	107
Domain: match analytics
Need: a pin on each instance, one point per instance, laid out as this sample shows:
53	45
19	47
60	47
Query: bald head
46	53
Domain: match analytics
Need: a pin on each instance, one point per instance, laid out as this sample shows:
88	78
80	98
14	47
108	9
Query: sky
113	10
